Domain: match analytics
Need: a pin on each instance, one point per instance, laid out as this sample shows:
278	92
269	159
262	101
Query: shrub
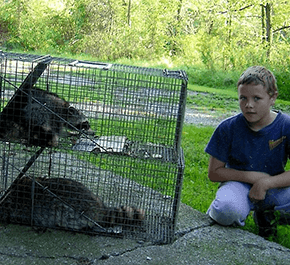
283	82
223	79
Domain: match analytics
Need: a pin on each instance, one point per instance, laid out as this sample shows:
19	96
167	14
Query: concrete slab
198	241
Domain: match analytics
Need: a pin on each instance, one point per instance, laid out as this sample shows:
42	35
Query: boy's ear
274	97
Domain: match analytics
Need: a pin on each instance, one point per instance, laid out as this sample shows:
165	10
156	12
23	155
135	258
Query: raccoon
63	203
40	122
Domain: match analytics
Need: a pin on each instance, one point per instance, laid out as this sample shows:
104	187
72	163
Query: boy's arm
259	189
278	181
217	172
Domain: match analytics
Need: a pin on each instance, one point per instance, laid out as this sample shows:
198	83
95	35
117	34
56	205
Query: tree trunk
268	28
268	23
263	23
129	13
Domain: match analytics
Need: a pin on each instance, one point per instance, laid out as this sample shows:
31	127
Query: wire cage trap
91	147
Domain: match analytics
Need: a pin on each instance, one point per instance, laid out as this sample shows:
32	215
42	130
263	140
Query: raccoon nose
85	125
90	131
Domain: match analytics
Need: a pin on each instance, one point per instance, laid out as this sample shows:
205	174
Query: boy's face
255	104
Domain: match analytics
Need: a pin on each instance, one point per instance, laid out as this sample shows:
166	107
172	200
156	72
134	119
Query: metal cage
91	147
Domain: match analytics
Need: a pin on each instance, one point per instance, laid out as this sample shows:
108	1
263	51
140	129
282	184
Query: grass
221	100
198	191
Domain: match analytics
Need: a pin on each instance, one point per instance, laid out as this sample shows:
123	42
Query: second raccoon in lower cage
62	203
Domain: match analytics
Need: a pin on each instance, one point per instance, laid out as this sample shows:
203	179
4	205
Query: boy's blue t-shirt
241	148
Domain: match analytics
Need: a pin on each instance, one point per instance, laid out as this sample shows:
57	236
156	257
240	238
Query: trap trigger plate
110	144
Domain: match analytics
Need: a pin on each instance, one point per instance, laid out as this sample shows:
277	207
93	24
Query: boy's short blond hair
259	75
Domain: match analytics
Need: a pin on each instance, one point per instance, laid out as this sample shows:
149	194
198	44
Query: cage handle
104	66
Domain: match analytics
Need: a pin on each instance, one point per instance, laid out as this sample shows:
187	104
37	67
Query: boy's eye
242	98
256	98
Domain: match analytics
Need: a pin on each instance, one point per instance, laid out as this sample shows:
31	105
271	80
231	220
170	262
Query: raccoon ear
72	110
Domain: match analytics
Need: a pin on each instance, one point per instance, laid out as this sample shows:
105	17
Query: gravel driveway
205	119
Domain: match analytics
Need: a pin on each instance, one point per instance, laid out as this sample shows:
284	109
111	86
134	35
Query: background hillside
212	40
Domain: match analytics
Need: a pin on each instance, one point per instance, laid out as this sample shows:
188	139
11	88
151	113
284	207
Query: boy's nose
249	104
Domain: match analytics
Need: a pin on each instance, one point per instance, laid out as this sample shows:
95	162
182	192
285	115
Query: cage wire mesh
91	147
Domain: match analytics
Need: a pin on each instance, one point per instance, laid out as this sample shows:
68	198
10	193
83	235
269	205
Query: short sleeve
219	144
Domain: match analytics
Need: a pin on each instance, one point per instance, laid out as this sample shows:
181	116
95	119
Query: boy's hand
259	189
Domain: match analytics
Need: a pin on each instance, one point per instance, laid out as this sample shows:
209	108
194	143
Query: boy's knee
231	205
226	213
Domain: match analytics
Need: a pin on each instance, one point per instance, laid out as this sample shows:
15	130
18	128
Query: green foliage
283	81
218	36
226	80
211	78
37	27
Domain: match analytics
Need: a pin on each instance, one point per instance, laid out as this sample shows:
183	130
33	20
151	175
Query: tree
224	34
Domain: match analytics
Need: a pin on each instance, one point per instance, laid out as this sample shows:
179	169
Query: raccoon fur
62	203
40	122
